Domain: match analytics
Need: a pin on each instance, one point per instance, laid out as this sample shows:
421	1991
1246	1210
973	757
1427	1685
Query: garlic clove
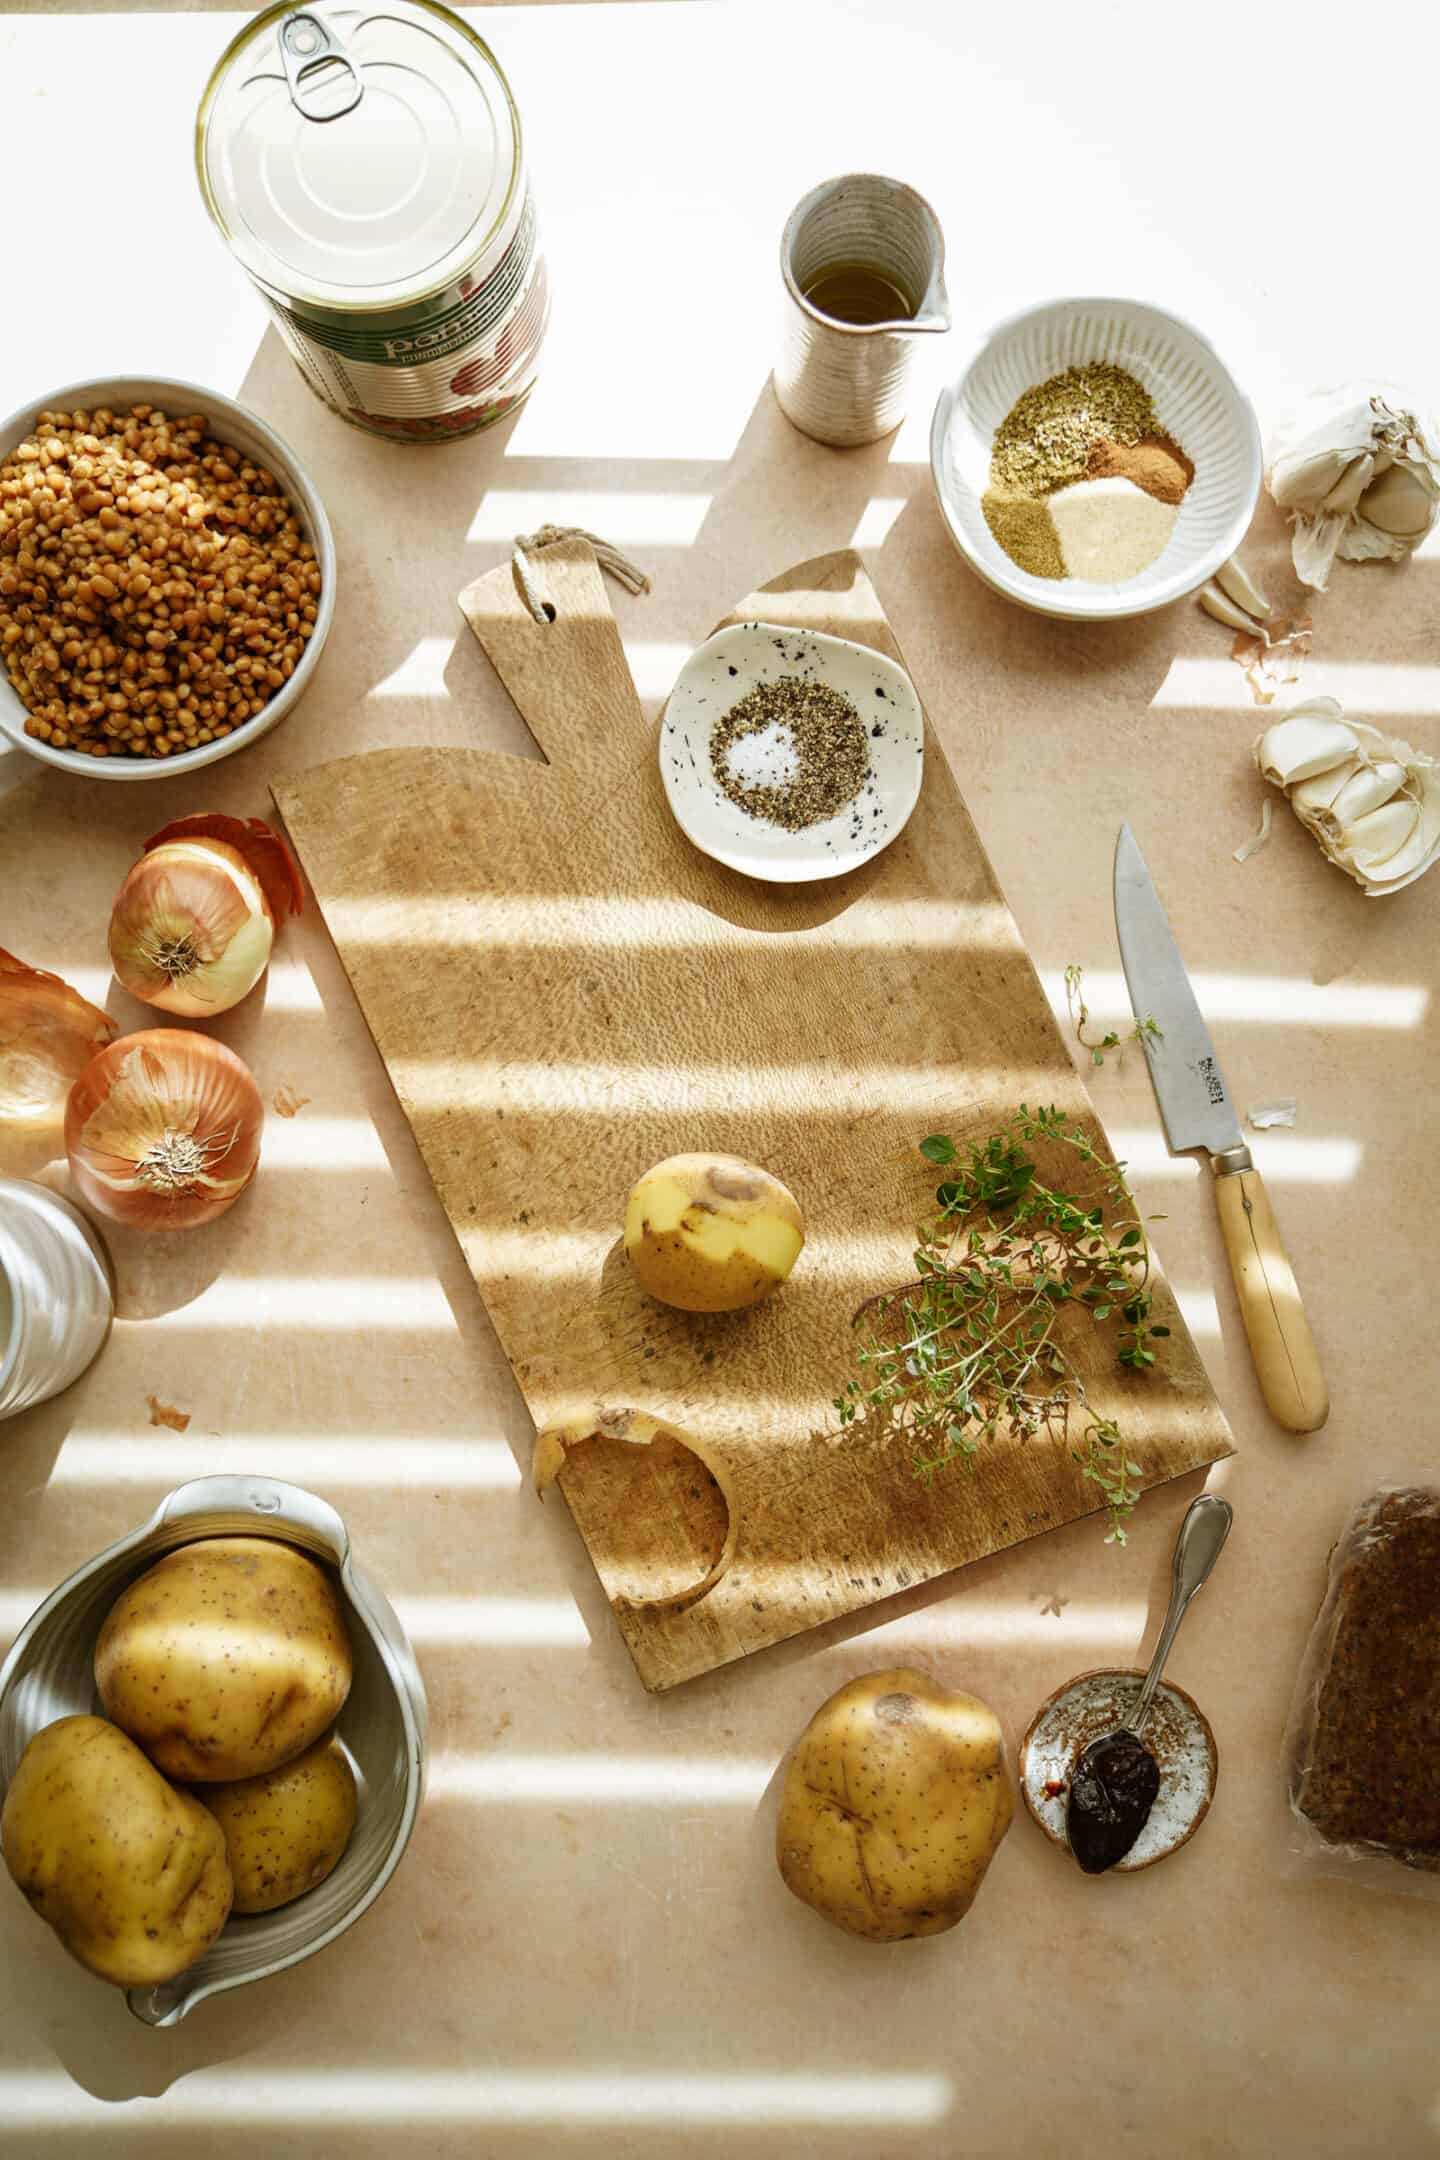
1236	582
1225	610
1311	799
1348	489
1307	741
1415	857
1302	479
1369	787
1402	502
1371	841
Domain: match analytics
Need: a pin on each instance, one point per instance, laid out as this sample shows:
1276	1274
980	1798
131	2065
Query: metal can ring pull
324	81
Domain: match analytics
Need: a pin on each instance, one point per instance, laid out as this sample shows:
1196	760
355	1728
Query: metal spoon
1197	1547
1115	1782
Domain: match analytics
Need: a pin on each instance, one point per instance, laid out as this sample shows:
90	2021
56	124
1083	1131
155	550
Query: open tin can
365	165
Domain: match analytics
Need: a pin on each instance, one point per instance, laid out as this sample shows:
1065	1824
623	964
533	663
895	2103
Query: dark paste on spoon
1112	1790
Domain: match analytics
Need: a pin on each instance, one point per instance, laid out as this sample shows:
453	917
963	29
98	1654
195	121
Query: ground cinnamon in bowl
1154	463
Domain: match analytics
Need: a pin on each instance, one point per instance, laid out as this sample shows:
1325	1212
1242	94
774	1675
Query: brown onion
194	922
163	1129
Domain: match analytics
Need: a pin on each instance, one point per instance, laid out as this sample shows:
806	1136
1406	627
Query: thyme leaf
1080	1018
972	1346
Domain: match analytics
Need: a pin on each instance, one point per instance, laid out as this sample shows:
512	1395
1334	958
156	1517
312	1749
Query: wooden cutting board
564	991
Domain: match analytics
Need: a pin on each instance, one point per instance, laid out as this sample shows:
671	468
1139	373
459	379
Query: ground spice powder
1155	463
1079	471
1023	526
1045	440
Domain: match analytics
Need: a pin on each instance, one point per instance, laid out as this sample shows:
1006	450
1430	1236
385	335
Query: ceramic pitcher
845	381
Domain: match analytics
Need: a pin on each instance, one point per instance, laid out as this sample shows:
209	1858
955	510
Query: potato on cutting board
225	1659
895	1802
131	1874
712	1233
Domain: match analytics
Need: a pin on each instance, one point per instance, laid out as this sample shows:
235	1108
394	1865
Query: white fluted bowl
55	1300
50	1673
1197	401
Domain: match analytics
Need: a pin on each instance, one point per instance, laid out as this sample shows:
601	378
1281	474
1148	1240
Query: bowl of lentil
167	577
1103	423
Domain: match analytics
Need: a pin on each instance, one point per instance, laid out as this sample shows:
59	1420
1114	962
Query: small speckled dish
722	671
1178	1735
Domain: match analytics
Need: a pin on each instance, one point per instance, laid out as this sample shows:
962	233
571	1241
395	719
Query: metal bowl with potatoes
381	1727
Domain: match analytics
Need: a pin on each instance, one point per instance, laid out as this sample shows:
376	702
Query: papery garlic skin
1357	470
1371	801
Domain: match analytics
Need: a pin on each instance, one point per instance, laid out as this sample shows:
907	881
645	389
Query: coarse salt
765	758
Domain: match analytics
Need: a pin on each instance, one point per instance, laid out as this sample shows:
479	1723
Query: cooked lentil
156	589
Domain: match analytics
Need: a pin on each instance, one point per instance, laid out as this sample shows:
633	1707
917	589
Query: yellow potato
896	1799
285	1831
711	1233
225	1659
131	1874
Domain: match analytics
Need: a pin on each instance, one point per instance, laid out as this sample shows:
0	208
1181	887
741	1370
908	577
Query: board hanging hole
529	574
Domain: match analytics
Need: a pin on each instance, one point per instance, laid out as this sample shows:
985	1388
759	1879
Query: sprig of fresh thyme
1080	1017
970	1347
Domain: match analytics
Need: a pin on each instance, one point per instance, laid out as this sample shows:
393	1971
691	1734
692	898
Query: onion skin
163	1130
194	922
262	847
48	1035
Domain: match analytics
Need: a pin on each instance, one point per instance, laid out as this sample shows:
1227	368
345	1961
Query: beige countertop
588	1941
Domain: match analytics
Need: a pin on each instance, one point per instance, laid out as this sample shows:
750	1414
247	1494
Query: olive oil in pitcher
858	292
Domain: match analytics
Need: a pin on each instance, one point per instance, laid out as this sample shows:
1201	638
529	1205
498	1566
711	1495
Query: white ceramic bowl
1196	400
229	423
49	1674
737	660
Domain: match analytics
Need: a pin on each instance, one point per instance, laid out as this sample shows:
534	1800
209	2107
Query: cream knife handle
1287	1363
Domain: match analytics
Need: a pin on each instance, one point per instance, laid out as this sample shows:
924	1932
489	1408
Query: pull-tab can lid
358	156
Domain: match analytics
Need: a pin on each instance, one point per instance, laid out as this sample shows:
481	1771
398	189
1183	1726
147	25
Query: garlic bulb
1358	474
1371	801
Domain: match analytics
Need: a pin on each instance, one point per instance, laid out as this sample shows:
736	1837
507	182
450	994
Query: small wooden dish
721	672
1178	1735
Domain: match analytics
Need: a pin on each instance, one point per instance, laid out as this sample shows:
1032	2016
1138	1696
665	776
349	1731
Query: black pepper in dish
825	733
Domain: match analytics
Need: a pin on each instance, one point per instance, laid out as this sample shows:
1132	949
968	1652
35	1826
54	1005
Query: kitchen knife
1197	1111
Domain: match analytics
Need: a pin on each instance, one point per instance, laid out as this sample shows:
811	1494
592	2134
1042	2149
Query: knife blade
1197	1110
1195	1103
